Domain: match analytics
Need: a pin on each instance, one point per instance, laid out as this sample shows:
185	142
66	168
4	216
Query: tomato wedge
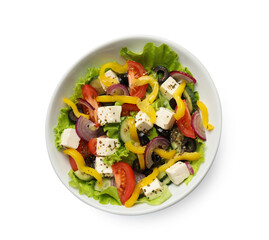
136	70
125	180
128	108
184	123
92	146
83	150
89	94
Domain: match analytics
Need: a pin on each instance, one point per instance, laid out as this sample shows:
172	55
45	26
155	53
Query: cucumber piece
124	133
192	98
188	100
166	181
106	184
96	83
176	139
83	176
161	176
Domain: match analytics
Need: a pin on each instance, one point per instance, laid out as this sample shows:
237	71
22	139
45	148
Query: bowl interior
110	52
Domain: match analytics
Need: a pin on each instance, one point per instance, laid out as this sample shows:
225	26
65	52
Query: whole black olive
147	171
157	160
144	140
124	79
163	133
188	145
71	115
162	72
90	161
136	166
173	103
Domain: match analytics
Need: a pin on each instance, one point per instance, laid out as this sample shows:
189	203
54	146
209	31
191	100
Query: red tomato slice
125	180
73	164
136	70
184	123
127	108
89	94
83	150
92	145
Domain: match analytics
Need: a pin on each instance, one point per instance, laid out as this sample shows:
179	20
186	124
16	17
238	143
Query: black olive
136	166
157	160
124	79
144	140
147	171
163	133
188	145
90	161
162	72
173	103
71	115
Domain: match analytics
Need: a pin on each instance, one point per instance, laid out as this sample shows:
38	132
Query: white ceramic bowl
108	53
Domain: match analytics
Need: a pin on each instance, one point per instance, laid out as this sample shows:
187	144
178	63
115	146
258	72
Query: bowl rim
175	46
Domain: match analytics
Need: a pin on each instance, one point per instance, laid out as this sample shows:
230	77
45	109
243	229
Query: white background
41	40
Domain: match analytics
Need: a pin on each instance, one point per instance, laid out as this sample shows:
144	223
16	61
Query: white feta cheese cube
109	114
106	146
165	118
142	122
178	172
153	190
169	87
104	169
112	75
69	138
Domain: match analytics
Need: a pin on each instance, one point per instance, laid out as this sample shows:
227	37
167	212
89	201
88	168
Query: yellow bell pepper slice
135	149
204	112
180	104
115	67
74	108
145	107
154	86
192	156
132	128
115	98
144	182
165	154
82	165
141	160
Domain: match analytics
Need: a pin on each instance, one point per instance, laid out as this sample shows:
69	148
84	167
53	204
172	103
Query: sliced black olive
173	103
144	140
124	79
188	145
71	115
162	72
90	161
157	160
147	171
163	133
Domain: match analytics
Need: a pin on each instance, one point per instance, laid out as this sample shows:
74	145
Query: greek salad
129	130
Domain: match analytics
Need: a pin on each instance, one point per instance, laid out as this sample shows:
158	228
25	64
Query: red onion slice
138	176
178	75
157	142
197	125
86	129
85	103
117	89
189	167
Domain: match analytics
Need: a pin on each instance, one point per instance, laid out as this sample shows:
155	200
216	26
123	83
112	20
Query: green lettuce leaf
196	164
112	130
161	101
153	56
121	154
152	133
63	120
108	195
159	200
